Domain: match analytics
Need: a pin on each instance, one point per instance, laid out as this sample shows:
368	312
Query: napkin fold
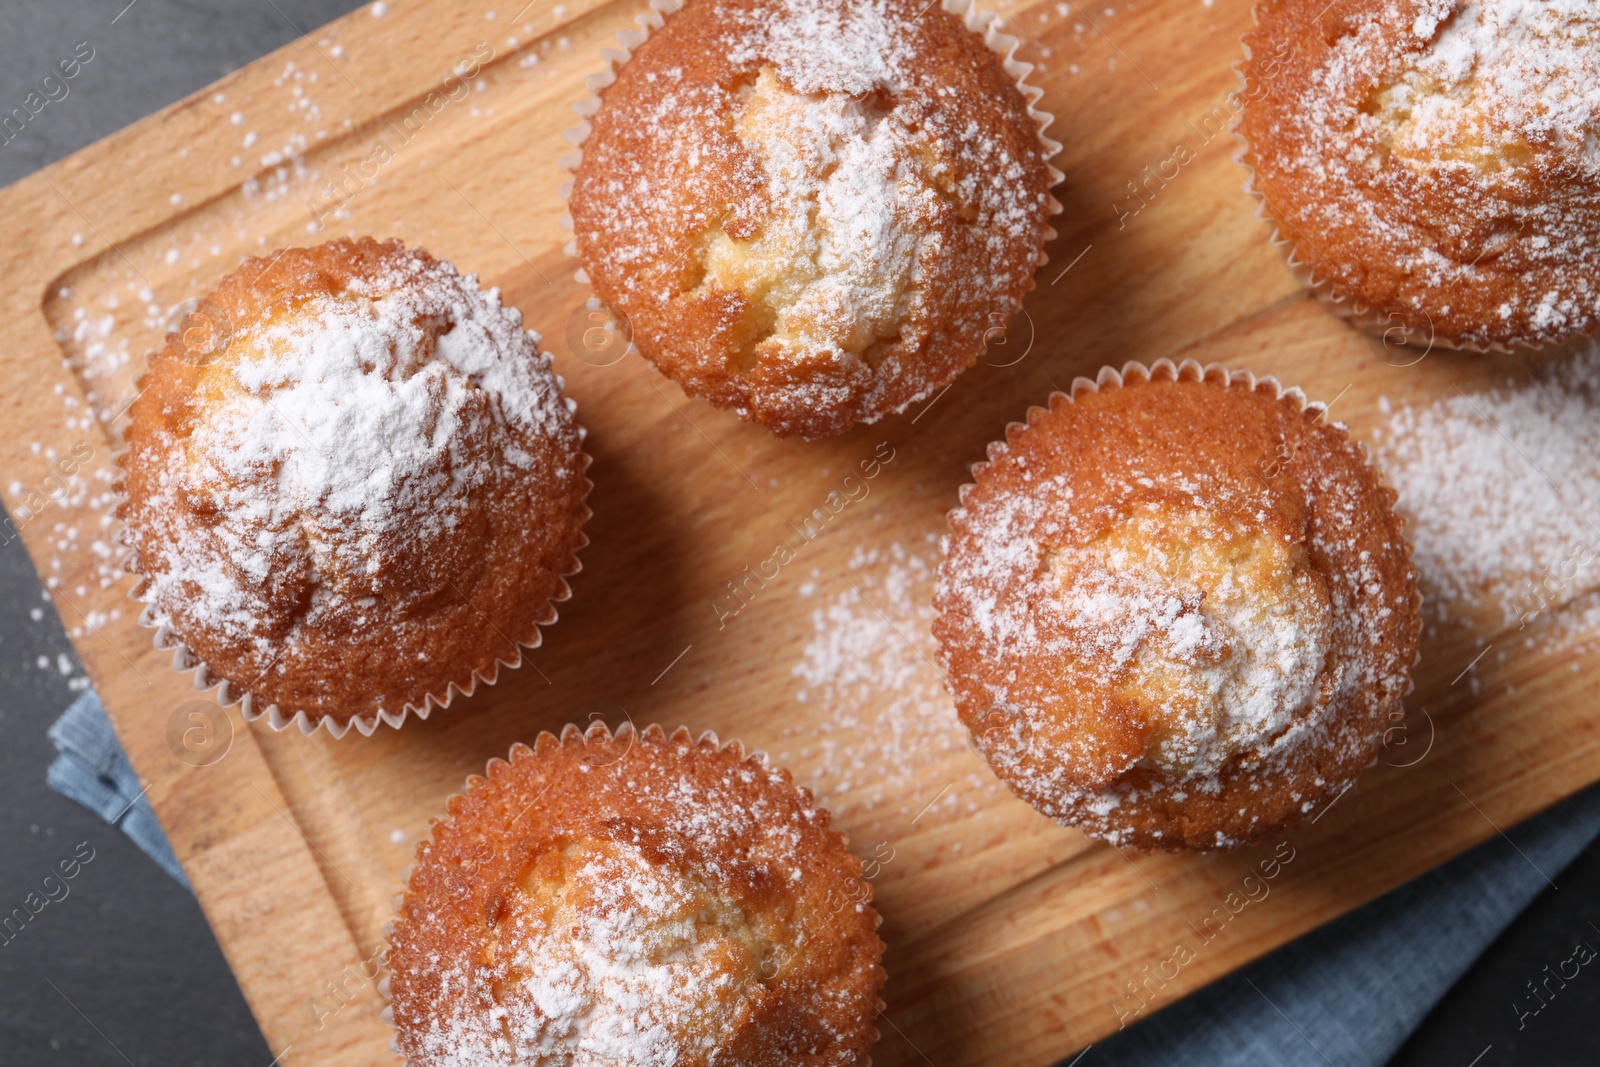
91	768
1351	992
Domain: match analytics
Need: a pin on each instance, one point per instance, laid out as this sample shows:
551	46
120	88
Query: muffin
813	211
1432	162
1176	608
636	899
351	486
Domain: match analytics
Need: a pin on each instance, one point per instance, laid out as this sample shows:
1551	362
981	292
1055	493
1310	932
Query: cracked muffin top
1435	161
352	483
634	900
1177	609
812	211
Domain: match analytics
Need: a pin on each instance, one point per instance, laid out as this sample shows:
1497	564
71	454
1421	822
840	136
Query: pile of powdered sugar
870	662
354	436
1501	492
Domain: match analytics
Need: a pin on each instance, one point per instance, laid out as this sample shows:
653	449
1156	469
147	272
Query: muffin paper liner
599	733
1368	319
984	24
228	693
1192	370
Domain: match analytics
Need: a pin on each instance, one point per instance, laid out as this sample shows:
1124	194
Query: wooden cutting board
1010	939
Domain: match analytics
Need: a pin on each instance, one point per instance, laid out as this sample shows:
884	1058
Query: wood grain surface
1011	940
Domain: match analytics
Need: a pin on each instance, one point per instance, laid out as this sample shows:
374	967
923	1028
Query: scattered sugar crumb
1501	491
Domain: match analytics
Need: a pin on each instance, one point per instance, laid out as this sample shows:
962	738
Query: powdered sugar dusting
853	225
839	203
639	900
341	451
1227	658
1156	646
1502	493
1451	149
625	966
1503	69
1232	666
870	660
863	50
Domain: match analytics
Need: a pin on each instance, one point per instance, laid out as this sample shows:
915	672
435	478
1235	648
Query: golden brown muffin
1177	610
363	488
812	211
1434	160
634	900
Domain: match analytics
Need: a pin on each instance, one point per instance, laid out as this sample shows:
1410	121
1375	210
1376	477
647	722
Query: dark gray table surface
124	970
